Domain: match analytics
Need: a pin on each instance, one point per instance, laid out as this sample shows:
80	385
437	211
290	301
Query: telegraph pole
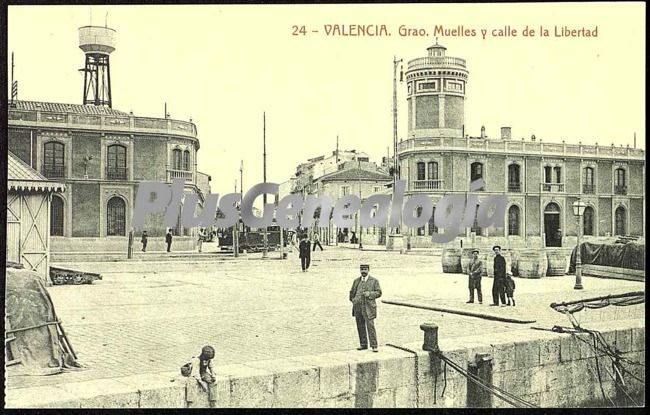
396	235
266	242
235	236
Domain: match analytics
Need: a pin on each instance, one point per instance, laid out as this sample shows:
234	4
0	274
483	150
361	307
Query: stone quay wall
545	368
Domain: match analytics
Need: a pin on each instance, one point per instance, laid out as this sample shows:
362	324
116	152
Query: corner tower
436	94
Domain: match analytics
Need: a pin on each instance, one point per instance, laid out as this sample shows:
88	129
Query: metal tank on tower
97	43
436	94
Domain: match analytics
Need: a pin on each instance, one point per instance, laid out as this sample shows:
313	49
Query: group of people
202	237
503	287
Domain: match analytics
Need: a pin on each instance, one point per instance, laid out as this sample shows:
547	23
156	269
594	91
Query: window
476	172
186	160
432	227
177	159
619	218
432	170
56	216
54	160
619	182
421	230
514	181
588	180
376	189
588	221
427	85
513	220
558	174
345	190
421	172
116	162
547	174
116	217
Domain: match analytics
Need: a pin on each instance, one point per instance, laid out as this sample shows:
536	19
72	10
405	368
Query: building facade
541	179
101	154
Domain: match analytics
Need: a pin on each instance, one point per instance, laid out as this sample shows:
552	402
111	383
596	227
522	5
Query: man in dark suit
305	253
365	289
498	287
475	271
168	240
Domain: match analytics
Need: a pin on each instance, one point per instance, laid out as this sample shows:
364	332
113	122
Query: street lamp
359	212
578	210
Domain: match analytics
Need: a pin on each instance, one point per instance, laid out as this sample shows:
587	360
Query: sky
225	65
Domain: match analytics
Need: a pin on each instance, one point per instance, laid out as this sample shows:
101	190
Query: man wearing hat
475	271
365	289
498	286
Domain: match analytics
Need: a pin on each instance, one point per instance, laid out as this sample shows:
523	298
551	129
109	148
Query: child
510	289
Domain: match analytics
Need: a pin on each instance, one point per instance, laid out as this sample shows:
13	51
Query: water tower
436	94
97	43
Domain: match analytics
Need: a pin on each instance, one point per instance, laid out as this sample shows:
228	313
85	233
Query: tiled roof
356	174
66	108
22	177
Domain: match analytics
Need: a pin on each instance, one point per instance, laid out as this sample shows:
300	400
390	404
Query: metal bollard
430	337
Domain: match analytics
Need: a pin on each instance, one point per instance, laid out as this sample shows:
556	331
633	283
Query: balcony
552	187
588	189
514	187
116	173
427	184
620	189
182	174
54	172
436	61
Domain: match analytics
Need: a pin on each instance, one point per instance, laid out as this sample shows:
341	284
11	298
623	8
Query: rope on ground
619	300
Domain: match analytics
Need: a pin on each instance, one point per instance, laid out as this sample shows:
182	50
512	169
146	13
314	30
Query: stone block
157	391
103	393
455	394
334	374
383	398
503	355
534	398
250	388
526	354
295	384
195	396
585	345
40	397
459	356
343	401
538	379
569	349
363	377
549	351
558	377
638	338
395	372
406	396
624	339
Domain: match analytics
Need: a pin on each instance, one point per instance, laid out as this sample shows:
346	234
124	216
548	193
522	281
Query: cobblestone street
153	316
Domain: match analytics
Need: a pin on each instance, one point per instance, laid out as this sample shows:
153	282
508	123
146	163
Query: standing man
475	270
144	241
365	289
317	242
168	240
305	253
201	239
498	287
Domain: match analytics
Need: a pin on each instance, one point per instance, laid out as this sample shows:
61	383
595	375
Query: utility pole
265	251
241	193
396	236
235	236
359	212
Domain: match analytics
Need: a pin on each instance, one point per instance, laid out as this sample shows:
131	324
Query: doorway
552	225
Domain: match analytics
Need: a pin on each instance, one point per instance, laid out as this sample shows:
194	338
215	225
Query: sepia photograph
325	205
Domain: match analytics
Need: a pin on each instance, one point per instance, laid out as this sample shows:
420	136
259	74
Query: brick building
101	154
541	179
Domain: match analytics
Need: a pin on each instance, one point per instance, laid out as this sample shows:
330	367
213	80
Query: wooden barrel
556	262
532	263
451	260
466	256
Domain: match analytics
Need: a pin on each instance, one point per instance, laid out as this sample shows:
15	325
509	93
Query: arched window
177	159
513	220
186	160
588	180
619	219
588	221
57	214
116	162
620	187
54	160
116	217
514	179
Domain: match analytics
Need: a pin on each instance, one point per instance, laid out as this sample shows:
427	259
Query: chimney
483	132
506	133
